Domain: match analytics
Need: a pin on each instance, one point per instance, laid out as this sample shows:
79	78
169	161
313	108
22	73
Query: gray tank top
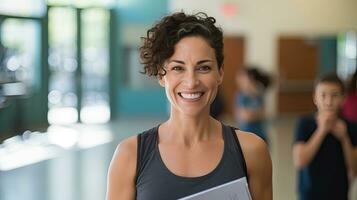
154	181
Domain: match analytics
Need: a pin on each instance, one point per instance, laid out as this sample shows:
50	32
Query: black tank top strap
146	145
233	137
138	157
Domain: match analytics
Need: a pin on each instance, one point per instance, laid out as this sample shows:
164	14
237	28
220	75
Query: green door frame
114	58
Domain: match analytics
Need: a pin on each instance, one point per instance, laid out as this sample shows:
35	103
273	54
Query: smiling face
192	76
328	97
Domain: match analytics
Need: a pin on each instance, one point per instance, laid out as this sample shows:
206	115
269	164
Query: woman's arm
122	171
259	165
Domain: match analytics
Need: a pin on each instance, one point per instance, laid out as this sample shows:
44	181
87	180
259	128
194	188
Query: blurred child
349	110
249	103
324	145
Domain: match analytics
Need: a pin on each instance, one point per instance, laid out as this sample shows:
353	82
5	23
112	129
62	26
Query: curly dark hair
160	40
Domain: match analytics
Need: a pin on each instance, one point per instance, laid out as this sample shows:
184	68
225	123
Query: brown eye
177	68
204	68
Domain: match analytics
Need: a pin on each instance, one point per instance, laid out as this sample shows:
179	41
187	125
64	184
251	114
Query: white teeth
191	95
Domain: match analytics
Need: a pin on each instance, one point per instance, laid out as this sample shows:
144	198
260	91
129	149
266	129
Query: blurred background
70	87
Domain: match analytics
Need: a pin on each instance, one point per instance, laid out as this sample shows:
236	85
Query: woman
250	108
191	151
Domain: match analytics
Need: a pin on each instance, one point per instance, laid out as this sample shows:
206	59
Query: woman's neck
189	129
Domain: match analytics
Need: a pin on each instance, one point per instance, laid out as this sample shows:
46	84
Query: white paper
234	190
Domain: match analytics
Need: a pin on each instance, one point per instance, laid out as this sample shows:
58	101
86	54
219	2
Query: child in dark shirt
324	149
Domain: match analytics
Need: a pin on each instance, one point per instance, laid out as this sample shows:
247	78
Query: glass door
95	66
79	65
63	63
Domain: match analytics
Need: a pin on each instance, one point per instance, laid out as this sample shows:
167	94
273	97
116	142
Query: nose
328	100
191	80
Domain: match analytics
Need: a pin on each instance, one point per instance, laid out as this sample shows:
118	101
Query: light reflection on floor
77	170
90	114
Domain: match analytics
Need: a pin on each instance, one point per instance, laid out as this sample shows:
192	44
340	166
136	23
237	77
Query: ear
314	98
162	81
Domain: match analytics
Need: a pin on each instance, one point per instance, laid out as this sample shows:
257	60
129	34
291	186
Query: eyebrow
199	62
332	92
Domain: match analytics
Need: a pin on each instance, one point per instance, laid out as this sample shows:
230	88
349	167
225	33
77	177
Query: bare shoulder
256	153
259	165
252	145
128	144
122	171
125	152
123	163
